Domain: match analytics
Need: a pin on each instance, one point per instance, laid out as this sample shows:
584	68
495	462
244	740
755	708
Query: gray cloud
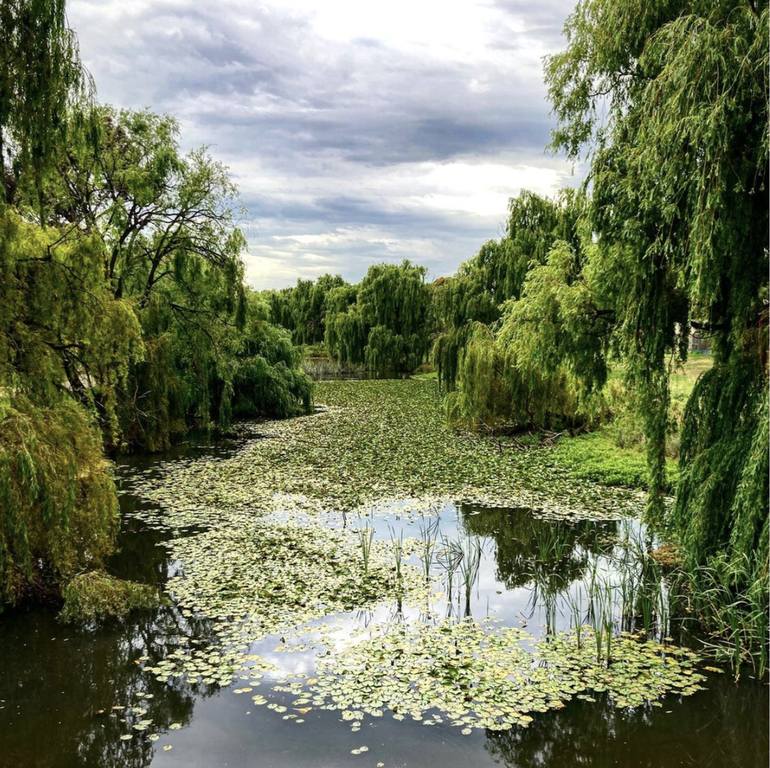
399	137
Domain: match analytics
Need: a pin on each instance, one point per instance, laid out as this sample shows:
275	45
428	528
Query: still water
63	692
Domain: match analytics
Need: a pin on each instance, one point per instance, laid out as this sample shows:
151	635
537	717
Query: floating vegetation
477	676
637	671
265	579
375	441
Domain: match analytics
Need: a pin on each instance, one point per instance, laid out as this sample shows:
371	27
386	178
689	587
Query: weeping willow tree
387	328
165	222
266	378
497	273
61	327
302	308
671	100
459	302
59	502
41	80
544	365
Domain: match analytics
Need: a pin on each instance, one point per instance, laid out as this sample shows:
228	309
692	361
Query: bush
58	506
94	596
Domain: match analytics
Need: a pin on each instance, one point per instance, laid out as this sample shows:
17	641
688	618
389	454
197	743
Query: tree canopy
670	103
387	328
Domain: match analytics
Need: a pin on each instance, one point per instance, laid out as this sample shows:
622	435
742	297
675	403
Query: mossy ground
96	596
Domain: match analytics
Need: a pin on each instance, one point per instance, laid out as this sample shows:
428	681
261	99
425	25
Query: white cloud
356	131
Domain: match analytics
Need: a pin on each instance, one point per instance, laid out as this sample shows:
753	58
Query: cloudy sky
357	131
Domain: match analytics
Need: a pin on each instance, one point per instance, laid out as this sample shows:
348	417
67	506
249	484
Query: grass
614	454
597	457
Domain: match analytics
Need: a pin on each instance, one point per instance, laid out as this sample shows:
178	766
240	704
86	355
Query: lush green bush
58	507
95	596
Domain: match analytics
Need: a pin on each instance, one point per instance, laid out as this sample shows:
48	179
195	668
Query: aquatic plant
469	565
375	440
254	580
477	676
429	531
365	538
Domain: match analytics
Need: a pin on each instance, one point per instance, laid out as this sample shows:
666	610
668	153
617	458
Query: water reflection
64	692
545	553
724	727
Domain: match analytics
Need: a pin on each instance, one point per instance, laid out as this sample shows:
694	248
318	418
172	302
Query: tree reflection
529	550
716	728
64	691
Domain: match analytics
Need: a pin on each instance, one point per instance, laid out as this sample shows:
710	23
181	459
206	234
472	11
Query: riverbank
365	586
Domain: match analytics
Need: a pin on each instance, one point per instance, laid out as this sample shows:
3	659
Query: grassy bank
615	454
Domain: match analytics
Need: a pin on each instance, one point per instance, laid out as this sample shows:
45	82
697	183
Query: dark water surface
58	685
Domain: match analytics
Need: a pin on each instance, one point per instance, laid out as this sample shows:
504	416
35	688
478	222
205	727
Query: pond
389	630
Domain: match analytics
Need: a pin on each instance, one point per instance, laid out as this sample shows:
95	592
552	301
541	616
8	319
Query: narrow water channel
66	695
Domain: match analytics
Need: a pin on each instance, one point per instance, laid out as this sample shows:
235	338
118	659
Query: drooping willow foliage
671	100
40	78
302	309
387	328
57	499
544	364
165	223
58	506
497	273
267	378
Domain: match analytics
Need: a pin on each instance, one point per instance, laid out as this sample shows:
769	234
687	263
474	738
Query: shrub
94	596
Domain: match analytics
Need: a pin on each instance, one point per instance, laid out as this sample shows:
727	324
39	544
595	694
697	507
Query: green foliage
267	379
387	328
40	78
458	302
545	364
95	596
596	456
679	176
482	398
58	508
302	309
62	331
498	273
162	225
59	322
65	340
724	461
